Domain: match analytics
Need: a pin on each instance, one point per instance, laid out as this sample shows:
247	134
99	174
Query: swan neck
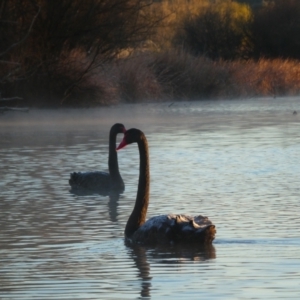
138	215
112	156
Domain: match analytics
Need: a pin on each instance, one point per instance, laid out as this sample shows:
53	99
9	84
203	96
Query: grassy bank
174	75
170	75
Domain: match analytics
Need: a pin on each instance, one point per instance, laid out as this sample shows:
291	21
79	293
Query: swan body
163	229
174	229
102	182
90	180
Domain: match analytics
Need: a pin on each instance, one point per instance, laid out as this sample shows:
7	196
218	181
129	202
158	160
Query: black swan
163	229
102	182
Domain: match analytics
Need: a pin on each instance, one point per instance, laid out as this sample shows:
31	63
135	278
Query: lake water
237	162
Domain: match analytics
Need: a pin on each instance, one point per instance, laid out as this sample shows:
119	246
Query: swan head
132	135
118	128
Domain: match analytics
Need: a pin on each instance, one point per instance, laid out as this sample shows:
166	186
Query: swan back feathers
175	229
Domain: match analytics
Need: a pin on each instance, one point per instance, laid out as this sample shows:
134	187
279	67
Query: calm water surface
237	162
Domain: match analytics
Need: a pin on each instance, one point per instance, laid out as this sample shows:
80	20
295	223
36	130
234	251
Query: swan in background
163	229
102	182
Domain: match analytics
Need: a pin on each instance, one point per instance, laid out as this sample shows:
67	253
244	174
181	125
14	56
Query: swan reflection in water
112	204
164	255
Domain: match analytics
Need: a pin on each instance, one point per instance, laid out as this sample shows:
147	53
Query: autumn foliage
101	52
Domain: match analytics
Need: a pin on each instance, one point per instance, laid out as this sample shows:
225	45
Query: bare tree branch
24	37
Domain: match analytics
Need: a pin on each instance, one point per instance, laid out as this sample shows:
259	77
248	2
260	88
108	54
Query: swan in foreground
163	229
102	182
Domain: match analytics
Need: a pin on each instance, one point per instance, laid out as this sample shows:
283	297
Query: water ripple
235	161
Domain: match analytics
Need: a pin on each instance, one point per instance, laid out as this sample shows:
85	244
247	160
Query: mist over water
236	162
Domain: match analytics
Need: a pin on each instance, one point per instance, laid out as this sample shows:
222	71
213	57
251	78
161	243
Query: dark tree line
215	33
273	31
276	30
49	50
53	45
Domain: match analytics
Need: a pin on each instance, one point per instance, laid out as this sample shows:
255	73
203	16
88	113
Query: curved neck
138	215
113	165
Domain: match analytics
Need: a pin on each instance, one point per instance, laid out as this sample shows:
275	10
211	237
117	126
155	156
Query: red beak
122	145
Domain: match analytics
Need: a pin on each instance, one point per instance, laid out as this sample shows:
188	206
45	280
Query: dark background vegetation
84	53
48	48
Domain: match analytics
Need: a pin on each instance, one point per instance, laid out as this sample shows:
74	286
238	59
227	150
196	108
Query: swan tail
206	235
